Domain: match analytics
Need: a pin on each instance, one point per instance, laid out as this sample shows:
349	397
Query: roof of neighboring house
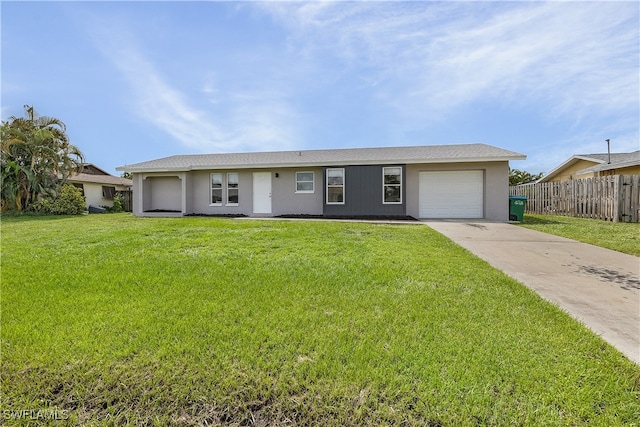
93	174
330	157
100	179
601	160
621	160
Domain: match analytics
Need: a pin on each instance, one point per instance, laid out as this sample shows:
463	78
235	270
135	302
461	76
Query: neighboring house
98	186
445	181
583	166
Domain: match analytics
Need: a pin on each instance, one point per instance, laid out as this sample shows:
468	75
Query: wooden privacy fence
610	198
127	200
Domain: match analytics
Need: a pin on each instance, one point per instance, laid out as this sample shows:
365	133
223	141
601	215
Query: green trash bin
516	208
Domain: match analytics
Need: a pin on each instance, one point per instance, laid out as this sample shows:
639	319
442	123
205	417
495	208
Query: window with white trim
392	185
335	186
216	189
232	188
305	182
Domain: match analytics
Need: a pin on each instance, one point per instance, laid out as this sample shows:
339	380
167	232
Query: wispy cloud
217	121
427	59
417	64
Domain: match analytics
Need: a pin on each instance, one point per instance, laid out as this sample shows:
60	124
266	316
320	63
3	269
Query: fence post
617	198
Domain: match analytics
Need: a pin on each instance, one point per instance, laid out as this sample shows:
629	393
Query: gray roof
331	157
100	179
618	160
601	160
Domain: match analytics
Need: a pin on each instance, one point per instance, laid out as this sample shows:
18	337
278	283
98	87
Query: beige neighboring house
99	187
581	166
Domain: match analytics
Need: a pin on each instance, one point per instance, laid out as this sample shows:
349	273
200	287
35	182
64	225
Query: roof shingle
330	157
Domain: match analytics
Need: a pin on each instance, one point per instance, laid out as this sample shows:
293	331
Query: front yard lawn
114	320
618	236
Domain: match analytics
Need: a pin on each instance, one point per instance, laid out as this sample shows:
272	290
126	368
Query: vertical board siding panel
610	202
600	198
594	198
594	204
627	204
635	198
616	198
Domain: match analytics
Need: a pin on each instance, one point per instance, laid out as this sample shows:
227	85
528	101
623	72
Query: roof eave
608	166
570	161
319	164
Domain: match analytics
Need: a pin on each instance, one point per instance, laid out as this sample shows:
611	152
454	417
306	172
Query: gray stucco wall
190	192
199	196
284	198
496	186
166	193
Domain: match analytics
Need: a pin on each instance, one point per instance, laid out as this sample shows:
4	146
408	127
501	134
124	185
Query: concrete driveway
597	286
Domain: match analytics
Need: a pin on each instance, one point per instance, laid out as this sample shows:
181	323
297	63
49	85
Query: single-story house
98	186
440	181
622	164
581	166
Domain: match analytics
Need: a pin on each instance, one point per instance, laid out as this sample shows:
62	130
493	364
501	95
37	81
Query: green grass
618	236
117	320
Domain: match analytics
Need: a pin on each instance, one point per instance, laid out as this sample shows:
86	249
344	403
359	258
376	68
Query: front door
262	192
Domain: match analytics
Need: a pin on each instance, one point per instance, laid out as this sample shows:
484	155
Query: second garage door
452	194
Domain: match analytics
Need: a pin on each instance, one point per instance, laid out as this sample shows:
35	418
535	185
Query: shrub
117	204
70	201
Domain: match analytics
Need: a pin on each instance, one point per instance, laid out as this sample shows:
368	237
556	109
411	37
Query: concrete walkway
597	286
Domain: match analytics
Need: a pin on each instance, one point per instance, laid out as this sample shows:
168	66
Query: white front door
262	192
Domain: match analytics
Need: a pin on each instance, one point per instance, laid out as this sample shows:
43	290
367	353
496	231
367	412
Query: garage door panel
451	194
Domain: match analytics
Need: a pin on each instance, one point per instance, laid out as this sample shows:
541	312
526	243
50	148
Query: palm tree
36	158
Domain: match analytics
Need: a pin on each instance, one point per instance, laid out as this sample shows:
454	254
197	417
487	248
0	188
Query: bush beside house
69	201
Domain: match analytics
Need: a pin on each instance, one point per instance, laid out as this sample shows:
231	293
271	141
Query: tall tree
36	158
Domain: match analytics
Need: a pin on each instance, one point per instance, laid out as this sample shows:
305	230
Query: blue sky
135	81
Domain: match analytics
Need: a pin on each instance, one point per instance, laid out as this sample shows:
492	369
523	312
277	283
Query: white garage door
451	194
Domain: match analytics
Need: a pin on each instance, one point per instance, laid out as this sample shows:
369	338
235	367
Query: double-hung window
335	186
232	188
305	182
224	190
216	189
392	185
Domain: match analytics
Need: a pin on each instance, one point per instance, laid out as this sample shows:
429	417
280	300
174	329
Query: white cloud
232	122
165	107
427	59
420	61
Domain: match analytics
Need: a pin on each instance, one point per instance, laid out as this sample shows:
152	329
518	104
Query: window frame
221	189
342	186
385	185
108	192
313	182
229	188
